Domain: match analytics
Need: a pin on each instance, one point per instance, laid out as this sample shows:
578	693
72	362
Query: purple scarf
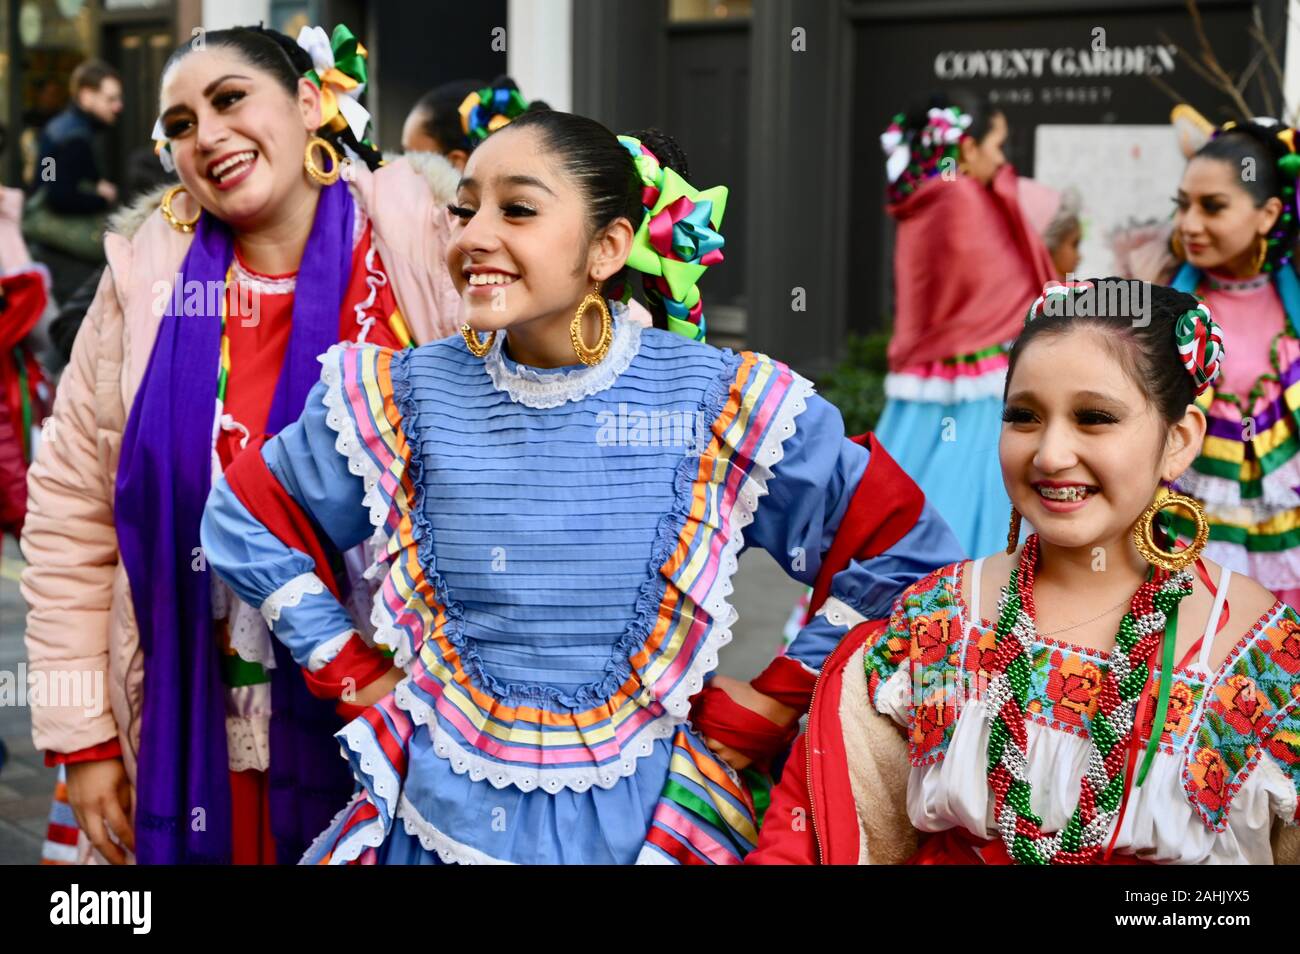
183	812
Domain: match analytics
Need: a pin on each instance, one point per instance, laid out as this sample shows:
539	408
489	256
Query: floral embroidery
896	642
923	630
931	638
932	723
1240	704
1073	688
979	652
1283	644
1251	711
1210	775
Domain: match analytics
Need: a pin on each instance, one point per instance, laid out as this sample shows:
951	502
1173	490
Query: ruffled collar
551	387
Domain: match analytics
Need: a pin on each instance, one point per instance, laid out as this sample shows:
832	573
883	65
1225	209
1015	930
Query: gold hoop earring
1261	254
478	347
170	217
319	175
1172	560
1176	246
596	353
1013	532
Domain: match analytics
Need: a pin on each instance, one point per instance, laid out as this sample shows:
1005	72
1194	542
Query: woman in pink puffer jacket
82	624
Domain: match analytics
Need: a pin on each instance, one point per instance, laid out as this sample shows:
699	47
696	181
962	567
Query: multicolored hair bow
677	239
1200	345
339	70
486	110
912	156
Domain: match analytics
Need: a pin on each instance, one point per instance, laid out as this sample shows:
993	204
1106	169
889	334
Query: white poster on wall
1124	175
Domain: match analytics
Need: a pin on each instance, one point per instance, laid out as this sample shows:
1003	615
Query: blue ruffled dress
554	552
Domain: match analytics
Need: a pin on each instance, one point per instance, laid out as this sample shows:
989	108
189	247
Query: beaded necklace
1101	789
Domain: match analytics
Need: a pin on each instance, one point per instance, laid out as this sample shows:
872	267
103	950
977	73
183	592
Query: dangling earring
1173	560
1261	254
319	175
478	347
1013	533
593	355
1176	246
180	225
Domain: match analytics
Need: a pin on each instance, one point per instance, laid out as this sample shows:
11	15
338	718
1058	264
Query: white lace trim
248	728
1278	495
368	835
349	446
248	744
840	613
383	781
677	703
531	388
262	284
451	852
935	390
290	595
376	279
249	636
325	653
285	285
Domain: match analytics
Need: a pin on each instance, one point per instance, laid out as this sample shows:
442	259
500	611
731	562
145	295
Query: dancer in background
556	568
965	261
1235	236
1090	696
205	332
434	123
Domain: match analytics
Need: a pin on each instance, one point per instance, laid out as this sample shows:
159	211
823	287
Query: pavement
764	596
26	785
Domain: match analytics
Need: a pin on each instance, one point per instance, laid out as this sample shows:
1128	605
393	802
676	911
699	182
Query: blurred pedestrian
65	217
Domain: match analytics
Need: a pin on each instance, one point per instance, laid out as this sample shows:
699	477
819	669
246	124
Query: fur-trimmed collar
126	221
440	175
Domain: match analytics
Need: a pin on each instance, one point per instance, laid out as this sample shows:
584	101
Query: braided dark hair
278	56
1147	349
1259	144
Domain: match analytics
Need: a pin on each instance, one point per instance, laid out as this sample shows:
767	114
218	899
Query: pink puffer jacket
80	618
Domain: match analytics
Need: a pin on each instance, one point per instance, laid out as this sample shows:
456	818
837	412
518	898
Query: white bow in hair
317	44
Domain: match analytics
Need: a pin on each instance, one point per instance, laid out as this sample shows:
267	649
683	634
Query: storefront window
694	11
